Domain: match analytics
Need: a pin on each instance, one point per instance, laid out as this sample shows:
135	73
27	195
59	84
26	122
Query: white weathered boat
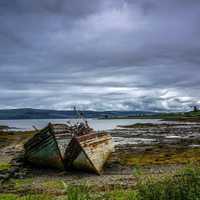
89	152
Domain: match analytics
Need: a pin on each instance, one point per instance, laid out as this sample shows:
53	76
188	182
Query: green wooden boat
45	148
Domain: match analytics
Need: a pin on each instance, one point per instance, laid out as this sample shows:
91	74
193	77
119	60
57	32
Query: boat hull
89	152
42	150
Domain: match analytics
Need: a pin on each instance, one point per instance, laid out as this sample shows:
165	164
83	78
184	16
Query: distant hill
28	113
192	116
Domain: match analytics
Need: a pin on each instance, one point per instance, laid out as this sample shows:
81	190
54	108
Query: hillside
28	113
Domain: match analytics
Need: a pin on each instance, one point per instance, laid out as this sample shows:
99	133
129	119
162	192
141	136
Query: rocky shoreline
154	149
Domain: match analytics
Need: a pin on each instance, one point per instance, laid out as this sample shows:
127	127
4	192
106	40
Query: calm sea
97	124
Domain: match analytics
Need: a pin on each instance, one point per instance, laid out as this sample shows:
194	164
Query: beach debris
69	146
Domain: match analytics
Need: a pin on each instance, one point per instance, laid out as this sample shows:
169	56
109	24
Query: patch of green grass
53	184
81	192
36	197
119	195
137	171
185	185
26	197
4	166
8	197
20	183
30	185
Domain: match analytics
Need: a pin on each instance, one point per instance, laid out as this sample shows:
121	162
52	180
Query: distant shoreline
38	114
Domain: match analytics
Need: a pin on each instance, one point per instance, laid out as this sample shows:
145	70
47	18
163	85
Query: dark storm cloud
133	54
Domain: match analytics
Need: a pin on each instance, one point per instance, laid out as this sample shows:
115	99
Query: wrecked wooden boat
45	148
69	147
88	152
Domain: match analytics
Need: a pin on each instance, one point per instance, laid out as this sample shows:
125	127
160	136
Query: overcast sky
100	54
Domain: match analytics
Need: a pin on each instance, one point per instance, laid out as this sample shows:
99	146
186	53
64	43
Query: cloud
100	55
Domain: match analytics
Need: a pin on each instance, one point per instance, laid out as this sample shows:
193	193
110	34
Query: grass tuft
80	192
